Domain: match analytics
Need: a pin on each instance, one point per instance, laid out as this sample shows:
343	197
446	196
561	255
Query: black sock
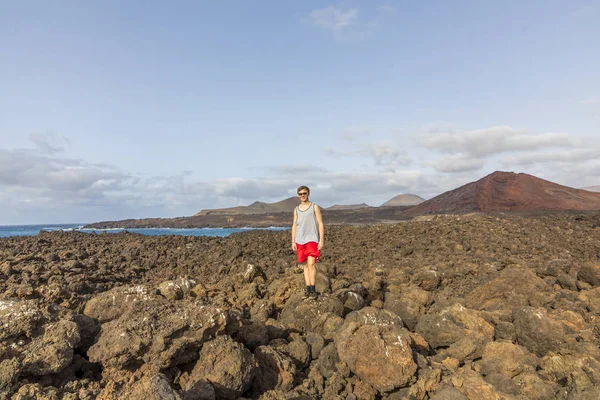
311	288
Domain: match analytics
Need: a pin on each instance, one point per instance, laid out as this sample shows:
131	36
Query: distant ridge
348	206
508	191
405	199
592	188
257	207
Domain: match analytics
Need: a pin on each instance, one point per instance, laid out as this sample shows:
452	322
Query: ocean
32	230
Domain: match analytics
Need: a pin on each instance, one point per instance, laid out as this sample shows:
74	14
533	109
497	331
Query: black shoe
314	295
306	294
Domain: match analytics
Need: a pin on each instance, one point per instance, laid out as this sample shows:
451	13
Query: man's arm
294	230
321	226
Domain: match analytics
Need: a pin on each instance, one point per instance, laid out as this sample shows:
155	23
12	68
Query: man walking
307	239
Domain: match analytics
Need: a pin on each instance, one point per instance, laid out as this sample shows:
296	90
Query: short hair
303	187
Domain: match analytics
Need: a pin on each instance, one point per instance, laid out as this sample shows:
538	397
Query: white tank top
307	229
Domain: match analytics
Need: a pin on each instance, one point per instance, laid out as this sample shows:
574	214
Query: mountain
257	207
591	188
348	206
404	200
508	191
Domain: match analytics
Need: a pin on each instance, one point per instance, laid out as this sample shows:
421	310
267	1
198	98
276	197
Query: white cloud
494	140
457	163
578	156
42	185
334	19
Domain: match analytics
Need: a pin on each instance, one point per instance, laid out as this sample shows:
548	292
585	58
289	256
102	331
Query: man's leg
311	272
306	274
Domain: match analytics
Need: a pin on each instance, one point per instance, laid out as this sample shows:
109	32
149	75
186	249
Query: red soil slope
508	191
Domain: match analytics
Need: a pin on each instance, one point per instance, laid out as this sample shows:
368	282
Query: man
308	238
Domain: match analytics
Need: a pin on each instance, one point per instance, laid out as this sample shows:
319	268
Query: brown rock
537	331
513	288
505	358
276	371
227	365
473	386
362	348
590	273
170	333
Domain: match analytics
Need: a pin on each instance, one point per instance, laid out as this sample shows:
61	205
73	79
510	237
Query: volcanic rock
227	365
157	337
276	371
363	347
515	297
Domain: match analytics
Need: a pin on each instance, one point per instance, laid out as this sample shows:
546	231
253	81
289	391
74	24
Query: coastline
365	216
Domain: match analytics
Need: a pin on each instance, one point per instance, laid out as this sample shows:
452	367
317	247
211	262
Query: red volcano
508	191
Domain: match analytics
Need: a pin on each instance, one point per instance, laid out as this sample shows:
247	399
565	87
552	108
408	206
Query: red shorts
310	249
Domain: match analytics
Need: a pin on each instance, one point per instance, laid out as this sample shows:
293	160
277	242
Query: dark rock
227	365
536	331
590	273
276	371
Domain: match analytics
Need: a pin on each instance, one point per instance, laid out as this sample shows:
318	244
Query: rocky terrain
443	307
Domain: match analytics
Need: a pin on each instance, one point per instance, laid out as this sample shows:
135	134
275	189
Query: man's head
303	192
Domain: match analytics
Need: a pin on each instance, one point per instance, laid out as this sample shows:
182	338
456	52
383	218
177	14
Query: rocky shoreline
445	307
363	216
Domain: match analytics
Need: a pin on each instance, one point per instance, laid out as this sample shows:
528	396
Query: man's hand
321	244
294	247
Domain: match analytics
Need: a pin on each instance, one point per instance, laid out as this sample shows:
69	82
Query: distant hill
508	191
406	199
348	206
257	207
591	188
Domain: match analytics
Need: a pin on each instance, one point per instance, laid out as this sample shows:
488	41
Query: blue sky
112	109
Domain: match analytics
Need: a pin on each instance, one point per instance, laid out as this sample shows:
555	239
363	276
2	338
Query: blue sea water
32	230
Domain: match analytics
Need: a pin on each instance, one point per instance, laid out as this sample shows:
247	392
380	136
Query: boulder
323	316
276	371
536	331
514	287
364	347
464	331
576	372
253	334
165	335
112	304
507	359
473	386
535	388
408	302
41	339
427	279
227	365
374	316
590	273
448	393
176	289
316	343
199	390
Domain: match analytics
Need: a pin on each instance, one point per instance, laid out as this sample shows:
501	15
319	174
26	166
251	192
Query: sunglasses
303	194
